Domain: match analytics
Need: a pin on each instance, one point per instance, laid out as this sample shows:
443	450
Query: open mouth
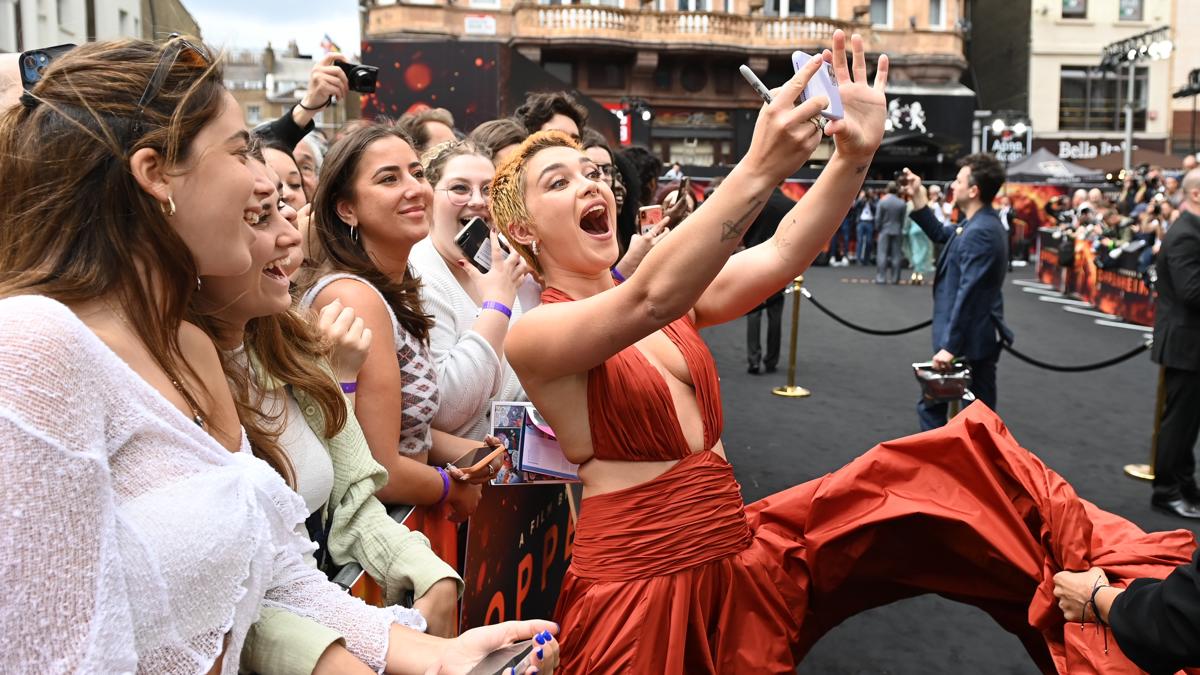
275	268
252	218
595	221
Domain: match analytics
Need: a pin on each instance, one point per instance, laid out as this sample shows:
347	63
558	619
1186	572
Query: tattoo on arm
734	229
860	169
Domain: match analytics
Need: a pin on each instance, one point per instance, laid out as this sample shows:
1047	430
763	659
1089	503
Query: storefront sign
1008	146
1076	149
479	24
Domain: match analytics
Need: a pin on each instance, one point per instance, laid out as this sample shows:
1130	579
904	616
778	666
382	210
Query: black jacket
284	129
1157	623
1177	313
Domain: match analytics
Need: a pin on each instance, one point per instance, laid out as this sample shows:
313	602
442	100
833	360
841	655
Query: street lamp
1153	44
998	126
1002	130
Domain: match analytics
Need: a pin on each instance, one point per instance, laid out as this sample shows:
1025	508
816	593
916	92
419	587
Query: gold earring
535	248
170	210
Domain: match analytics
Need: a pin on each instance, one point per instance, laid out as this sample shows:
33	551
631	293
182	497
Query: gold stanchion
1146	471
791	390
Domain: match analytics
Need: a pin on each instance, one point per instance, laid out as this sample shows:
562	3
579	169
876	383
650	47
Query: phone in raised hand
823	83
474	239
649	216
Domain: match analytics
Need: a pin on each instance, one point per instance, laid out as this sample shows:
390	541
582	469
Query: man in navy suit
968	307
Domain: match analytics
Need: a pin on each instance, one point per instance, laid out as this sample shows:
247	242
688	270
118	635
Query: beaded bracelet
445	485
349	387
498	306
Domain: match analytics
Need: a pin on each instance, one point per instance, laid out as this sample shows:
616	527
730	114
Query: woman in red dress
671	572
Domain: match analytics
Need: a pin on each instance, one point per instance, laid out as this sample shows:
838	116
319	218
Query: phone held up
474	239
822	83
648	217
33	63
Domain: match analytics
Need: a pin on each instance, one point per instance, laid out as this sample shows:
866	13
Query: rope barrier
862	329
1008	348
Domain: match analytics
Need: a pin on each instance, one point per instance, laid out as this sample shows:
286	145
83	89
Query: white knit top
131	540
470	374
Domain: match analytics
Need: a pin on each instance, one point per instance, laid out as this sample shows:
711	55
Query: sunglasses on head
176	49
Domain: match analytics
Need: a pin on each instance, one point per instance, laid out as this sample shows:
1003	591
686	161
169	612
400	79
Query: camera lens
30	63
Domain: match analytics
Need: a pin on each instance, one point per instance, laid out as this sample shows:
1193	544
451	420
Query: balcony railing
594	23
535	23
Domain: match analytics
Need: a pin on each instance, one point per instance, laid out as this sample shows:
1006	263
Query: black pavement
1085	426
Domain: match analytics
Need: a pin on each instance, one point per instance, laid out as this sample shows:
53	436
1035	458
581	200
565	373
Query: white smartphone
822	83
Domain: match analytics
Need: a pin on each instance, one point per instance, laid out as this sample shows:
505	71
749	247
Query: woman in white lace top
140	534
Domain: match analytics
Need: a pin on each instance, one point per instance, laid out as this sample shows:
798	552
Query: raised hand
860	132
786	134
347	338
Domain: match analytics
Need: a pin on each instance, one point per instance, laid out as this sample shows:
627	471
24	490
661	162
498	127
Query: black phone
34	62
362	78
475	241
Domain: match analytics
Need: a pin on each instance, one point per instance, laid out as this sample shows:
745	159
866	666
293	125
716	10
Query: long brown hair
344	253
75	225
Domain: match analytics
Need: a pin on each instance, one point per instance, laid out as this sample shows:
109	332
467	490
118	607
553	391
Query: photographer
325	82
968	307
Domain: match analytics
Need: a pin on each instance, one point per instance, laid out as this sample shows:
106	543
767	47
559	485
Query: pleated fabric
676	576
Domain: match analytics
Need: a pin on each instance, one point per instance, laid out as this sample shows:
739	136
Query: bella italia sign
1087	149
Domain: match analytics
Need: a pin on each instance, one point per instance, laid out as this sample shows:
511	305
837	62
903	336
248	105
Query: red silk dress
677	575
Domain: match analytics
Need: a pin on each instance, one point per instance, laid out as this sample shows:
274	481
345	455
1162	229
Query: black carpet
1085	426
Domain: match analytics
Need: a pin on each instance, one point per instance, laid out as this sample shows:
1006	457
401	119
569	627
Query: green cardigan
398	559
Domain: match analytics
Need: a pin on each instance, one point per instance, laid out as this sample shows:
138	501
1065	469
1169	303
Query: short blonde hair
508	188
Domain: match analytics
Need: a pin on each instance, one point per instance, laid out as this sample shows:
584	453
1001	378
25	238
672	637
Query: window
937	13
563	70
881	12
824	8
253	113
1074	9
1131	10
604	74
1094	100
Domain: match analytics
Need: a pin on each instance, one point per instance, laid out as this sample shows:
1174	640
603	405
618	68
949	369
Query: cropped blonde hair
508	188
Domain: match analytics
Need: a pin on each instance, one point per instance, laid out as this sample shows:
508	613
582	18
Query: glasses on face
177	48
459	194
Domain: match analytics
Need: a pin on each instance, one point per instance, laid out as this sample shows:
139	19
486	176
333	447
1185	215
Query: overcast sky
253	23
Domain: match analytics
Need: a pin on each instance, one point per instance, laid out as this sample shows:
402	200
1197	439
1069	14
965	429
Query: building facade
1185	122
678	60
30	24
1076	110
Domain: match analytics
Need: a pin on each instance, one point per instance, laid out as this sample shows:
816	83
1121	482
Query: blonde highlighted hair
508	188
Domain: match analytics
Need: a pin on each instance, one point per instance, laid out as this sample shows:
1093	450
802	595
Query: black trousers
774	309
1174	462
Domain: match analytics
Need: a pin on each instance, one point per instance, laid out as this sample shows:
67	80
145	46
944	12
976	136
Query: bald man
1177	349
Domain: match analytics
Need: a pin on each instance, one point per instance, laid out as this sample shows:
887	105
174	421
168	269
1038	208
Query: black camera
362	78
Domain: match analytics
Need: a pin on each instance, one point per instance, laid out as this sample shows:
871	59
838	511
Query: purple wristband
617	275
498	306
445	485
349	387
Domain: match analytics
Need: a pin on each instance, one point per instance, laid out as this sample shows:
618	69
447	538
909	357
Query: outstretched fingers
790	92
840	69
881	73
860	59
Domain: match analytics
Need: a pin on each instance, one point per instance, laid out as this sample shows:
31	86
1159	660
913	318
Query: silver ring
818	122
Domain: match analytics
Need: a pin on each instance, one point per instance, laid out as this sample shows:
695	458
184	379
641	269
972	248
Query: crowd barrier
1118	290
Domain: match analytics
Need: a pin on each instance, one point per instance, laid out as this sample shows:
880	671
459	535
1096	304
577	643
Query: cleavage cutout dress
678	575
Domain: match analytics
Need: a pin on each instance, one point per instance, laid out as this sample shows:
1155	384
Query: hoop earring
170	210
197	283
535	248
354	234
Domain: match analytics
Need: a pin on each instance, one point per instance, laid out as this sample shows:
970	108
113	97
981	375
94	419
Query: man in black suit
762	229
968	305
1156	623
1177	349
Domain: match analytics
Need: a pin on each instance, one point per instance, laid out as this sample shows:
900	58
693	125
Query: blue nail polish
535	671
546	634
539	639
540	654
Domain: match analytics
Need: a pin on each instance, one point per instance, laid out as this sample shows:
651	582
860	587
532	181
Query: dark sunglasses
177	48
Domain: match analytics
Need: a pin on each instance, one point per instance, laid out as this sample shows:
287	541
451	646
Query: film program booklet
534	455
